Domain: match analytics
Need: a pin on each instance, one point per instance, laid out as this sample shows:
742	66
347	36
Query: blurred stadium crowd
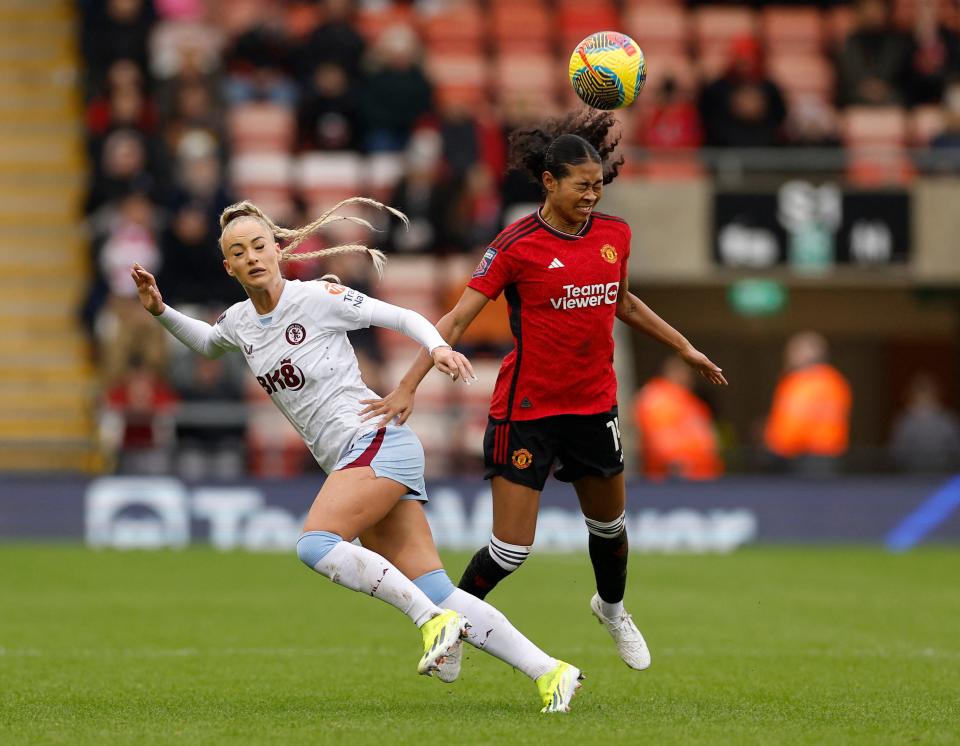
192	104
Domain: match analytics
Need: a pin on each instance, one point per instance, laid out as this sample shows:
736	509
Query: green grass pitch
768	645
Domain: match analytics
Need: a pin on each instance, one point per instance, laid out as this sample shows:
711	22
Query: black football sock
482	574
609	551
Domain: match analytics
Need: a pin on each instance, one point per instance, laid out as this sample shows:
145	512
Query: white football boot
630	643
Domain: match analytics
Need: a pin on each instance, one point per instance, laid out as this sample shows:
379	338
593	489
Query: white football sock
612	611
364	571
492	632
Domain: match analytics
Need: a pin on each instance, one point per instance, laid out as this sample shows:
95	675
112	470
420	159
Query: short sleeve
493	273
344	309
625	260
224	333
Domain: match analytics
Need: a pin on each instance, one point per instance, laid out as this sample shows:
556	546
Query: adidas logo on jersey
556	263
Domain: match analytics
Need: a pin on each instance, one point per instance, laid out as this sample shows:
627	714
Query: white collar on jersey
267	318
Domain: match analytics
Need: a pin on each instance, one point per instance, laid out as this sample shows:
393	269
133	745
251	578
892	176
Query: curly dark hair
557	144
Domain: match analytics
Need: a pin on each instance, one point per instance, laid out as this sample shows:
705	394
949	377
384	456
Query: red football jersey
561	290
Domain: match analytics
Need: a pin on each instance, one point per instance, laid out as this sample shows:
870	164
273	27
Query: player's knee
313	546
508	556
435	585
607	529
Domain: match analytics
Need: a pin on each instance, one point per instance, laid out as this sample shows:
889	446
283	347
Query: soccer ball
607	70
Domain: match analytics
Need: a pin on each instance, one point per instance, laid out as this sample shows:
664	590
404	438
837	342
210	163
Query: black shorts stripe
507	232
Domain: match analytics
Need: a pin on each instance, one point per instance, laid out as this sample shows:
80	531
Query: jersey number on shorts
614	426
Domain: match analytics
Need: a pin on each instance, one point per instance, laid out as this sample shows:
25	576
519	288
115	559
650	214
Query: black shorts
525	451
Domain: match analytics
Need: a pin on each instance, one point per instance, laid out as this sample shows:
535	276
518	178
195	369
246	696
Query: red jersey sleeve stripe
510	231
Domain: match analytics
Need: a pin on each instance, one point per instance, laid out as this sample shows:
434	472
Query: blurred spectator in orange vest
809	420
676	427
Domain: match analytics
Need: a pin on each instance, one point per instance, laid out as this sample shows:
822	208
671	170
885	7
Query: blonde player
293	336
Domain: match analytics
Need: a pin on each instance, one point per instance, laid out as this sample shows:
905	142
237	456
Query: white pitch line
674	652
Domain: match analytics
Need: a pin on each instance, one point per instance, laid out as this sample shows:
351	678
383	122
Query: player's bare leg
404	538
515	509
350	501
602	500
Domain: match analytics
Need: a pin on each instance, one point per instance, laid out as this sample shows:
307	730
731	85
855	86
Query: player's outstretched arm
399	402
637	314
199	336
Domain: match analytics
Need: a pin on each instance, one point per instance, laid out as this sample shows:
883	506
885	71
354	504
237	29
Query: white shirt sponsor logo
586	296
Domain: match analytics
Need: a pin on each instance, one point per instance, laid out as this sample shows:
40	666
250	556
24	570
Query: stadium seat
715	27
675	165
264	178
576	21
802	75
926	122
382	173
905	11
658	29
875	140
795	30
171	39
261	127
630	4
372	22
521	29
866	126
458	76
540	74
326	178
459	27
662	66
410	282
235	17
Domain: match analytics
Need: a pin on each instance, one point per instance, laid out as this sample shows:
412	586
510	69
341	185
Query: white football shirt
302	358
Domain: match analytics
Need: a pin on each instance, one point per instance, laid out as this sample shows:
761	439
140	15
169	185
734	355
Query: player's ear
226	266
549	181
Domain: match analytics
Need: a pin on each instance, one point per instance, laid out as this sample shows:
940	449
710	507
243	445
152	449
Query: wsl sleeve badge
607	70
485	262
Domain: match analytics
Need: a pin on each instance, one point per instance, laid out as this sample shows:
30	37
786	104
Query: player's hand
702	364
398	403
147	290
454	365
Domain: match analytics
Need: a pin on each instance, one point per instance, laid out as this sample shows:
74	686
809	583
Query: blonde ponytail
293	237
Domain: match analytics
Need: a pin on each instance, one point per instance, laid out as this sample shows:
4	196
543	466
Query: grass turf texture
763	646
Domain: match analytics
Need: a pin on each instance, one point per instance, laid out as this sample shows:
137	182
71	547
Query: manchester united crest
609	253
522	458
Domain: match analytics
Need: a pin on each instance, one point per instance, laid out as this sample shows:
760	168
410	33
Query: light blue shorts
392	452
